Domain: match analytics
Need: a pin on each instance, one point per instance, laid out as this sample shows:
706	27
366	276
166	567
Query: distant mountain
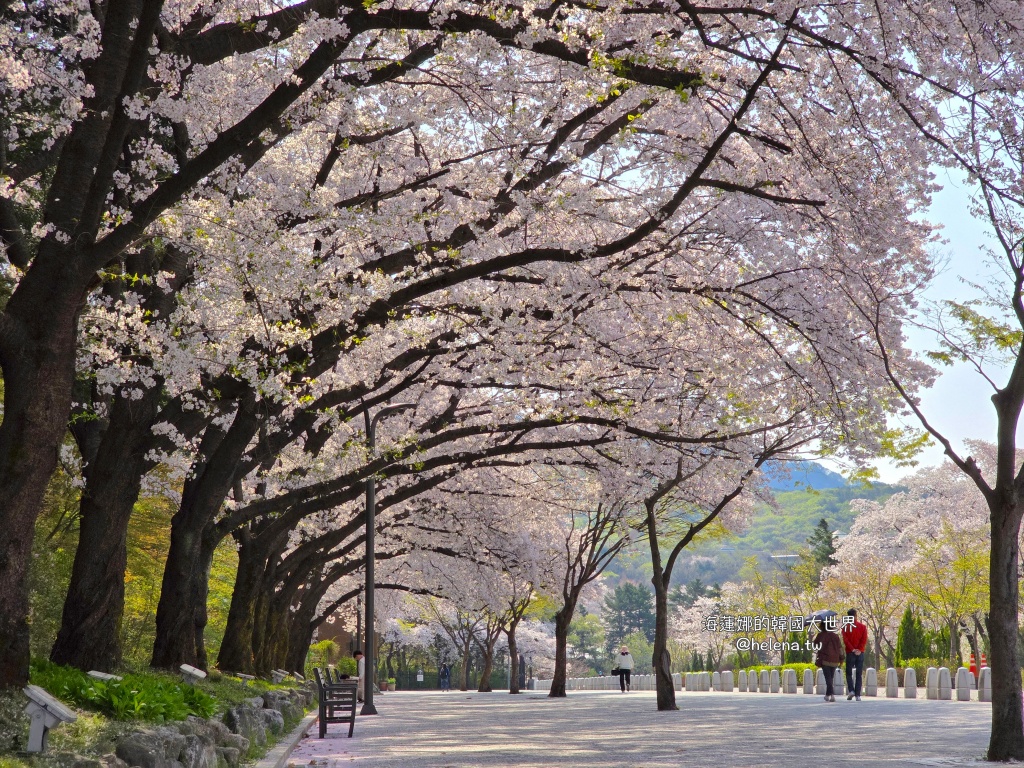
799	475
809	493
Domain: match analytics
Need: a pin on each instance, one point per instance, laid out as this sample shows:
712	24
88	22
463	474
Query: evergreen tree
821	546
630	608
801	656
911	640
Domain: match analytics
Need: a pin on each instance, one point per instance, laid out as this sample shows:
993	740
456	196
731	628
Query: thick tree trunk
485	673
90	632
236	650
513	659
300	637
37	355
1007	738
181	612
661	659
562	621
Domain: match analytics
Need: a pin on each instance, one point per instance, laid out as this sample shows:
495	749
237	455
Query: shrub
137	697
920	667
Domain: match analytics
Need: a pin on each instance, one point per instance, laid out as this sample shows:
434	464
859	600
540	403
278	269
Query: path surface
614	730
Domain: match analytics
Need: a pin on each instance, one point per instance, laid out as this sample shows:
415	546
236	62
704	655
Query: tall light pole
369	649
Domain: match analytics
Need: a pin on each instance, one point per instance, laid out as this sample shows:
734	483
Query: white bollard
677	681
742	681
870	682
892	683
773	681
964	683
763	684
931	683
819	682
716	681
945	684
985	684
909	683
839	686
727	681
789	681
808	681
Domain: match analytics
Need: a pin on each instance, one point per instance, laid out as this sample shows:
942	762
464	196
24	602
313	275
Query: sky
959	402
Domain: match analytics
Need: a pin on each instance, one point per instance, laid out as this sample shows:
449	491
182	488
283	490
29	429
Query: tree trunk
464	686
38	330
180	618
485	673
90	631
236	650
1007	738
661	659
562	621
513	658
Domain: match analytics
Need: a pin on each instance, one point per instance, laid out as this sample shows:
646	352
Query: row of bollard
938	683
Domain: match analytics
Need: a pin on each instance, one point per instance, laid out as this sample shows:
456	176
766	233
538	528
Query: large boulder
235	741
275	700
273	720
247	722
156	748
198	753
228	757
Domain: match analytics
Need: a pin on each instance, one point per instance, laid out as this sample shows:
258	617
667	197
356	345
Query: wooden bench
337	701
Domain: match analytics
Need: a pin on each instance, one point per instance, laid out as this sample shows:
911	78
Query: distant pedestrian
855	640
360	673
830	656
625	665
444	675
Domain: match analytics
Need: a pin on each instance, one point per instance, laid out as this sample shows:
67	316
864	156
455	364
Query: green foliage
628	610
920	667
911	640
821	547
587	639
152	698
322	654
803	656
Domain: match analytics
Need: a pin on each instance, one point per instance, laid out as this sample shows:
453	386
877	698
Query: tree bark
236	650
180	616
37	357
1007	739
562	621
513	658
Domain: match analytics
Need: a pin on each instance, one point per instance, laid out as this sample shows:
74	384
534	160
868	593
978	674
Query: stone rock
256	702
198	753
247	722
275	700
228	757
292	712
157	748
273	720
235	741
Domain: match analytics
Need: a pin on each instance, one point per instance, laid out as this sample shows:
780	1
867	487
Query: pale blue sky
958	404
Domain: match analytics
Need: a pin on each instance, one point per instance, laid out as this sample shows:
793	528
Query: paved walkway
614	730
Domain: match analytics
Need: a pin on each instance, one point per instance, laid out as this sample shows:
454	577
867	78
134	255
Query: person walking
444	675
855	640
360	673
625	664
830	656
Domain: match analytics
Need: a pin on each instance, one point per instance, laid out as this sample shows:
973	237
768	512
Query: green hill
772	535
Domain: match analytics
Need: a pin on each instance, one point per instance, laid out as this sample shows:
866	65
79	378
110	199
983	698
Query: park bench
337	701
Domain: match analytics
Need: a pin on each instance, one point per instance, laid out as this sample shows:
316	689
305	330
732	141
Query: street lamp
369	650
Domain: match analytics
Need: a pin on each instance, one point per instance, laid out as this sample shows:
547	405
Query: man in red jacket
855	638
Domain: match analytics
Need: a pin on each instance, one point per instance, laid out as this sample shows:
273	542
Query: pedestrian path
612	730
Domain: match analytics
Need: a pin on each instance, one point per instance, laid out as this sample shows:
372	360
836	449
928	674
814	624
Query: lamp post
369	649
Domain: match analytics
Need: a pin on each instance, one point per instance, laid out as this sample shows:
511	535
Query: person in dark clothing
830	656
444	675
